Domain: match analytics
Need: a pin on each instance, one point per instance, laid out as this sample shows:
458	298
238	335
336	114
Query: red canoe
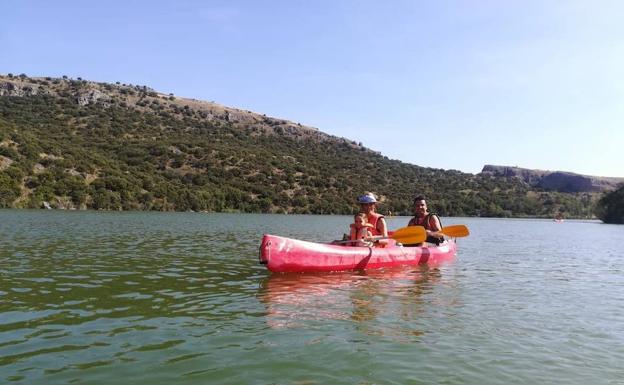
286	255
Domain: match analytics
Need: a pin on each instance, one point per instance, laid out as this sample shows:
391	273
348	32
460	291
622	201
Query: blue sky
444	84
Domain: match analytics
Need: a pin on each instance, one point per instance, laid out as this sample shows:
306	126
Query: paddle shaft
410	234
417	234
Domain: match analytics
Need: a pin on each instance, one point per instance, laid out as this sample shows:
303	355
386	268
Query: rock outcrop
555	180
20	89
92	96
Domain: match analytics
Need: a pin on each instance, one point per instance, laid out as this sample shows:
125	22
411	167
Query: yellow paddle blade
455	231
410	234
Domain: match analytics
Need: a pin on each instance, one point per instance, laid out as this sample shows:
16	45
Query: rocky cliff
555	180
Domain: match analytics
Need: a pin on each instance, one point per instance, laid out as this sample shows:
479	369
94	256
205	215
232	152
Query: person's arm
434	224
382	228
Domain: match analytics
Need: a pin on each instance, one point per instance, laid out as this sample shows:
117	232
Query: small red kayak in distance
287	255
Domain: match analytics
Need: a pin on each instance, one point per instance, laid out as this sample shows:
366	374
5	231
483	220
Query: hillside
80	144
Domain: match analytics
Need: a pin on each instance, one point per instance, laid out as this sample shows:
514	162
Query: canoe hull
287	255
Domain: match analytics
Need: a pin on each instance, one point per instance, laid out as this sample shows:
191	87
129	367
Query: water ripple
171	298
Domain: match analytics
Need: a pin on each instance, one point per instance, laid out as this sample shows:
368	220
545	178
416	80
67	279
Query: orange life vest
361	232
426	223
373	218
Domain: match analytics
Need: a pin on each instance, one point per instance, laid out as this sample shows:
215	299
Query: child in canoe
360	231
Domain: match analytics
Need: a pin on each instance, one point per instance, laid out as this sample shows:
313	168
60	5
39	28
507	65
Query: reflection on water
365	297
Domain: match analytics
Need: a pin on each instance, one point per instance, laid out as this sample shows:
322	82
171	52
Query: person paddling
430	221
368	204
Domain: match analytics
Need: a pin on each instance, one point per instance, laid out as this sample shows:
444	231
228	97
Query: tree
9	190
610	208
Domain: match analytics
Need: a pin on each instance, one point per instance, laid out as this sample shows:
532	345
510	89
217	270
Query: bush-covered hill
610	208
79	144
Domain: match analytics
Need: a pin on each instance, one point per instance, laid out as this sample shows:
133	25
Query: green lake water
179	298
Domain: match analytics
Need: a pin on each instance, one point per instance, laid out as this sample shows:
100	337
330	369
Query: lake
179	298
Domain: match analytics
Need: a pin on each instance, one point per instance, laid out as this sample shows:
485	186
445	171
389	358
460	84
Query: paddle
455	231
417	234
409	234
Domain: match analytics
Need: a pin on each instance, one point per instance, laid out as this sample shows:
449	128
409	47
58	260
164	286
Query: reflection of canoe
291	255
292	300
